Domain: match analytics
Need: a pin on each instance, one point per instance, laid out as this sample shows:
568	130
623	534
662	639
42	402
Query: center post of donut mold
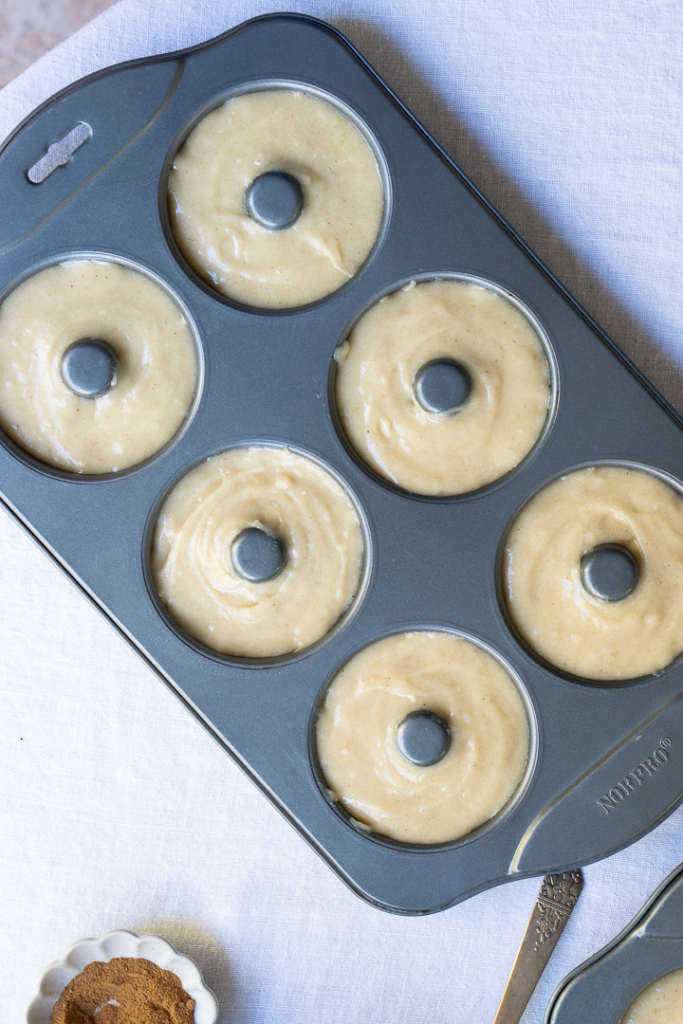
89	367
258	555
274	200
442	386
424	738
609	572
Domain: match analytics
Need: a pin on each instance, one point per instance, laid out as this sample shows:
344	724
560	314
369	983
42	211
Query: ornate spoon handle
554	904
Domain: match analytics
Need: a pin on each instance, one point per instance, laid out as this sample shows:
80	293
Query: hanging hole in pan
59	153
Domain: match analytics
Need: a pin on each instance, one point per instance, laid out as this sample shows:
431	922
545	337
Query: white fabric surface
116	810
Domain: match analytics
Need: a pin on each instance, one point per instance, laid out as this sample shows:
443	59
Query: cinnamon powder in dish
125	990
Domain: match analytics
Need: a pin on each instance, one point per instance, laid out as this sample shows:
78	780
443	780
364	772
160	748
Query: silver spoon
554	903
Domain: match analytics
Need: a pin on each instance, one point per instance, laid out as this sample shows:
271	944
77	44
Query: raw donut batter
546	598
343	202
156	371
357	727
440	453
286	495
660	1003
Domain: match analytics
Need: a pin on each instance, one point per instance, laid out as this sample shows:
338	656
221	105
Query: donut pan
602	989
606	759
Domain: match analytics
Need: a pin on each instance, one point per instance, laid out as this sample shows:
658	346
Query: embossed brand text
636	777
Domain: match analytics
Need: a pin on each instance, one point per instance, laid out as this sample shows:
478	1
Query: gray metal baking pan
602	989
266	376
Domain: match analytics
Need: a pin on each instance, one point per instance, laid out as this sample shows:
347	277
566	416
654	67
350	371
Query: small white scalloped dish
122	944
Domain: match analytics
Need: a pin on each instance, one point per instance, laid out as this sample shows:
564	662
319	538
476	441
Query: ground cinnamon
125	990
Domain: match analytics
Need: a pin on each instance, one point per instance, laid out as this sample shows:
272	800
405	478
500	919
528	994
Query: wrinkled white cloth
116	810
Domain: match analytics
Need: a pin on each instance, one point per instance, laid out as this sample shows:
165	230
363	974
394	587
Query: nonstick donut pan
602	989
605	763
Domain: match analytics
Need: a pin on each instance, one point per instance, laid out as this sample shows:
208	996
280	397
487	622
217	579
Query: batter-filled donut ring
275	198
98	366
443	387
381	779
257	552
550	563
660	1003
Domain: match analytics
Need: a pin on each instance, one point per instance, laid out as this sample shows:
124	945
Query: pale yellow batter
545	595
660	1003
343	201
443	453
286	494
358	724
156	375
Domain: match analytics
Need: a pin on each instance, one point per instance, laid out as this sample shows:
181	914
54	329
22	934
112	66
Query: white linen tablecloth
116	810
